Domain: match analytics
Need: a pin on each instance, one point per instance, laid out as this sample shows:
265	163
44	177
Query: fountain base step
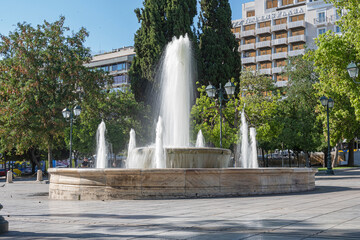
111	184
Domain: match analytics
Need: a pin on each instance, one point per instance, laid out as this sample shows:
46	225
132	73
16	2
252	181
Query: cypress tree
160	20
218	52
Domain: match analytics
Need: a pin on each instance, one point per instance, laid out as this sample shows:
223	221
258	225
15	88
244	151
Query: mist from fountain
248	149
200	141
102	150
160	160
177	73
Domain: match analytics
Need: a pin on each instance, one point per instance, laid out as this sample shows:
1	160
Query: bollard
4	225
39	176
9	177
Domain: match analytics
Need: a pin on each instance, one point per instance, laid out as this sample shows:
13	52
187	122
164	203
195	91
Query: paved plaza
331	211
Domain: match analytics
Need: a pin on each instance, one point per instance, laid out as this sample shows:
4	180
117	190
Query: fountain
200	141
171	168
102	150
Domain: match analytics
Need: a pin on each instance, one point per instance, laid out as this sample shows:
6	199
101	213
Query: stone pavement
331	211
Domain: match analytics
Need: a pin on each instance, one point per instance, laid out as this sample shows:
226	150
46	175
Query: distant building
273	30
117	63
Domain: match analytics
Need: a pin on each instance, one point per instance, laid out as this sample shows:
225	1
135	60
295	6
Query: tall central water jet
177	77
102	151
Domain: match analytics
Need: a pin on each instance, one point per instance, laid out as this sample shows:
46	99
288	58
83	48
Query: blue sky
111	23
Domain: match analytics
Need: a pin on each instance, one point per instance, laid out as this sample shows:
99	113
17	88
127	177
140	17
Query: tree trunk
34	159
289	158
50	152
307	159
351	153
335	159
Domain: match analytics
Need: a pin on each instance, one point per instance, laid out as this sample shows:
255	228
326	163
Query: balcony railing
263	58
263	44
281	83
266	71
296	52
296	24
279	41
279	55
278	69
298	38
321	21
247	46
263	30
247	33
279	27
246	60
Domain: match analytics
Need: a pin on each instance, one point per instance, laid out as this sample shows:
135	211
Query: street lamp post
211	92
328	103
69	114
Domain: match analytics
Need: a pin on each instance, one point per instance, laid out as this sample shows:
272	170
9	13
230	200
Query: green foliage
218	50
120	112
298	111
260	110
42	71
160	20
331	58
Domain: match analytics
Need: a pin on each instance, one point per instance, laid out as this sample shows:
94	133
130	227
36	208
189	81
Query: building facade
117	63
271	31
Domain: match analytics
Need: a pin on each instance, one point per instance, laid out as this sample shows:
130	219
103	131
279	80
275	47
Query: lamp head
66	113
210	91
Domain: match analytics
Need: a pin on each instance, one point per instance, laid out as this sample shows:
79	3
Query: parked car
2	172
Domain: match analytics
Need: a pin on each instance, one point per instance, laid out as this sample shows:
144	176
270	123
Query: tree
260	109
218	50
331	58
161	20
301	129
42	71
120	112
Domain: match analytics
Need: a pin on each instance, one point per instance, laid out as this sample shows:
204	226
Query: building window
264	24
280	35
264	38
321	17
281	77
265	65
321	31
298	46
297	32
249	40
280	21
281	49
271	4
249	54
265	52
250	13
297	18
287	2
122	79
249	27
280	63
337	29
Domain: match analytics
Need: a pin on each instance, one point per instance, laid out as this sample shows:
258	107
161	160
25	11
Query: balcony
321	21
279	55
263	58
266	71
279	41
246	60
263	30
237	35
296	24
278	69
279	27
247	33
296	52
247	46
298	38
334	18
281	83
263	44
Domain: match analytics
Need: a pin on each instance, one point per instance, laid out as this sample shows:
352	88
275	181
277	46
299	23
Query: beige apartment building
117	63
271	31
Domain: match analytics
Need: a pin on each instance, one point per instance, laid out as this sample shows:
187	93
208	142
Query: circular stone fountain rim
191	149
